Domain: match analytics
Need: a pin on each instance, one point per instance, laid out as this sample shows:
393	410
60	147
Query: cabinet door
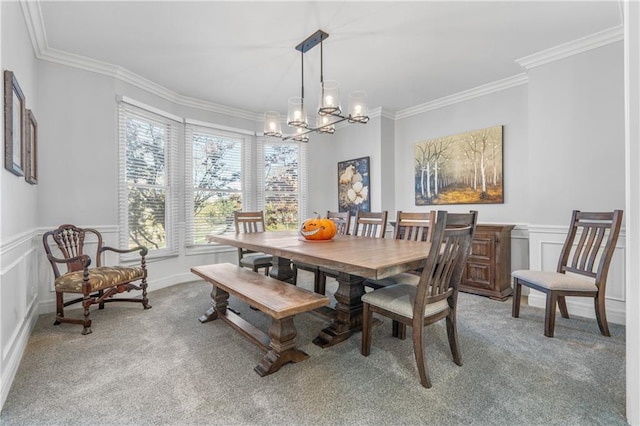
480	271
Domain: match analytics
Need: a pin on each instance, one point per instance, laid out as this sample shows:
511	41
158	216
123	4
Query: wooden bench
280	300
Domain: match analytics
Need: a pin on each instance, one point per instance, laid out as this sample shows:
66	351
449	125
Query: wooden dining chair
434	298
343	223
582	268
413	227
371	224
249	222
368	224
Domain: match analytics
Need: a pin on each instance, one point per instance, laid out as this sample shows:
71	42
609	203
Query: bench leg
219	303
281	347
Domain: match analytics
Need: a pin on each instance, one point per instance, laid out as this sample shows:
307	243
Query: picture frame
31	154
14	125
465	168
353	186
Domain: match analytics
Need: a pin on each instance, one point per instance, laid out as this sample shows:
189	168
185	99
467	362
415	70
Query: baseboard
16	352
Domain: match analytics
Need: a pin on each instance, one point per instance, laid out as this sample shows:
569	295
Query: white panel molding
574	47
476	92
545	244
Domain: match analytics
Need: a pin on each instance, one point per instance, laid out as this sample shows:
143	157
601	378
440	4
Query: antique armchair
97	284
582	268
433	299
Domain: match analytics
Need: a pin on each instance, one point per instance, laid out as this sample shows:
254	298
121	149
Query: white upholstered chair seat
556	280
399	299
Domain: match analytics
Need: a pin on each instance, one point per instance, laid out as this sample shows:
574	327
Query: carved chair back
342	220
70	241
414	226
371	224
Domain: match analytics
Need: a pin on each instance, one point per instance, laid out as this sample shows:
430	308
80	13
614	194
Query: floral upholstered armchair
97	284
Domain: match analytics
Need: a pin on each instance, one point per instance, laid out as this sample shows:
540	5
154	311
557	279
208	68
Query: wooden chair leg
367	320
517	292
319	282
418	350
398	330
86	321
59	308
550	314
452	333
145	299
562	304
601	316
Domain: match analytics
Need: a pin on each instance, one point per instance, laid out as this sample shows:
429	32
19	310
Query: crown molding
41	49
483	90
574	47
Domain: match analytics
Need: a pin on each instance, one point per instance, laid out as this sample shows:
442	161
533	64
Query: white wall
18	301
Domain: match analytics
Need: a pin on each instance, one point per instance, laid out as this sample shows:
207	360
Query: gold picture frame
31	154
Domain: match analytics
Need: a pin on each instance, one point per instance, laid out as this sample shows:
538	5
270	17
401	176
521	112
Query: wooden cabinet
488	270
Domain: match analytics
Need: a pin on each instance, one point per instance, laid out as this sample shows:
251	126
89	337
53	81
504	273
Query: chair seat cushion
556	280
399	299
99	278
257	260
403	278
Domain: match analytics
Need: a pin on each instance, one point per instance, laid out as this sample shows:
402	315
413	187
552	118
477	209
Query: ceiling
241	54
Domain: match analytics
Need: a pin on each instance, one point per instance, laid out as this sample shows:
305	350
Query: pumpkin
318	229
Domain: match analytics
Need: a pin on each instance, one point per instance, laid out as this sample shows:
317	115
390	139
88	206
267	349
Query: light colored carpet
162	367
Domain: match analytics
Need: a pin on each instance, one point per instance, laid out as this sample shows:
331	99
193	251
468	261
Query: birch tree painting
461	169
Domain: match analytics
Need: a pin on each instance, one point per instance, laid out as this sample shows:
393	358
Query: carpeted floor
162	367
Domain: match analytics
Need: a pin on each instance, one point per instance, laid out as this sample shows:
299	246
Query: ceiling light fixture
329	109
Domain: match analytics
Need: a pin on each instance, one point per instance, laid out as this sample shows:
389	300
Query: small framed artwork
465	168
353	185
31	154
14	125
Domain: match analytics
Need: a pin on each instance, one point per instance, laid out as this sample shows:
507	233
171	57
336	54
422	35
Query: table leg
219	303
282	347
281	268
348	311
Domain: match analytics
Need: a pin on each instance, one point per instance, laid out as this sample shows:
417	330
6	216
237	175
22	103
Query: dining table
354	258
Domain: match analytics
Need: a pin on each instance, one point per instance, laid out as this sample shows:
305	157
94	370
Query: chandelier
329	109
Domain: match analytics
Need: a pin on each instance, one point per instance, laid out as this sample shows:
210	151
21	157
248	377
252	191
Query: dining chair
371	224
408	227
368	224
582	268
434	298
249	222
343	223
67	245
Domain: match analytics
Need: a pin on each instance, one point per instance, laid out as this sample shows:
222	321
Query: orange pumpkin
318	229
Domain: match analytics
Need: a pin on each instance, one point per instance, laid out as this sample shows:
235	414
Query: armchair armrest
83	261
143	250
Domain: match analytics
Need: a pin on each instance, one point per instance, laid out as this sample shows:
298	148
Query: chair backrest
448	253
416	226
342	220
248	222
371	224
70	241
596	235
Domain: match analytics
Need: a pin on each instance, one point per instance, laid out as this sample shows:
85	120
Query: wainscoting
545	244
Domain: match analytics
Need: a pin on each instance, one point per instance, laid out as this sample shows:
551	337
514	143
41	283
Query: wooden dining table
354	258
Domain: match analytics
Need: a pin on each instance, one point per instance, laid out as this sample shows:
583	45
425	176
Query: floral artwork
460	169
353	185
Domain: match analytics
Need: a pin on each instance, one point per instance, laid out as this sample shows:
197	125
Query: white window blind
147	179
214	181
281	184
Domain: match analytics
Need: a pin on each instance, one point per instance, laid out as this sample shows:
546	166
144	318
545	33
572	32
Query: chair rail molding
545	245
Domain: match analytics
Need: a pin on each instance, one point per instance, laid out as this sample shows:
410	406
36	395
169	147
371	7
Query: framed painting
14	125
460	169
353	185
31	154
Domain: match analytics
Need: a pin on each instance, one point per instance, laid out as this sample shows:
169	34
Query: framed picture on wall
31	154
460	169
353	185
14	122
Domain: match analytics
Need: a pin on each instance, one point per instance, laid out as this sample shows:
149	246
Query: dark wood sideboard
488	271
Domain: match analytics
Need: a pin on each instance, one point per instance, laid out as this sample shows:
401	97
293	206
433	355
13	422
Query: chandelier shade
329	111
